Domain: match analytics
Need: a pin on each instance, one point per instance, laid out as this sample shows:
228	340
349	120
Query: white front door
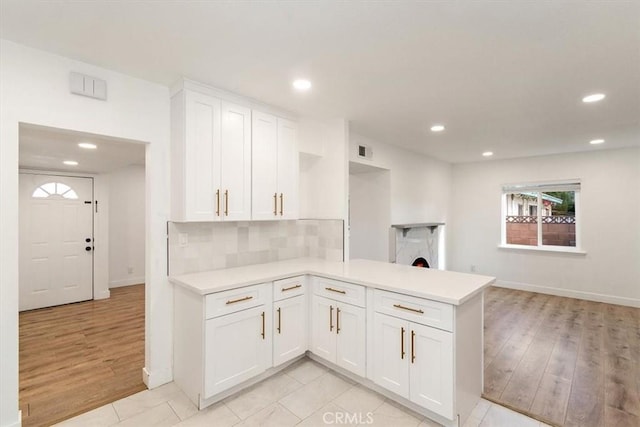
56	240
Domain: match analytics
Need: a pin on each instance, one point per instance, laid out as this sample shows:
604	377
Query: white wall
369	215
324	179
420	185
609	216
126	226
35	90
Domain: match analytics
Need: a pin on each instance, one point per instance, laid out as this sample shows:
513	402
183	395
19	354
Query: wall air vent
365	152
84	85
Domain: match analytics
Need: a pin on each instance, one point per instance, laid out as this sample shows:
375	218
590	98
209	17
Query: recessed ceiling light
302	84
70	163
87	145
487	153
594	97
437	128
596	141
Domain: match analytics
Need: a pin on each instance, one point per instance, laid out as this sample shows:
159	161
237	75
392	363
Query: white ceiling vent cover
81	84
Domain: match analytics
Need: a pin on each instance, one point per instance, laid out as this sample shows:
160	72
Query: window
54	189
543	215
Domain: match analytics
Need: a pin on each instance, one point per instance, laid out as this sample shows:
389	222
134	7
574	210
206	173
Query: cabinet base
203	403
386	393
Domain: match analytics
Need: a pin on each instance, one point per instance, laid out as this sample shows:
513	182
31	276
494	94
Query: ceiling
45	148
506	77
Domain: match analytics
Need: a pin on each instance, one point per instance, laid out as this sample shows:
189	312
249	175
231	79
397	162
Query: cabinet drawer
339	291
233	300
291	287
419	310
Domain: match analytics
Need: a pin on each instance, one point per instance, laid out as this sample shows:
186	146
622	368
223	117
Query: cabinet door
289	329
235	162
323	335
264	152
237	347
288	166
431	369
202	147
390	353
350	336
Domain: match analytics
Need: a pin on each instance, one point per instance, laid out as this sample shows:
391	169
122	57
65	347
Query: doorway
369	212
81	295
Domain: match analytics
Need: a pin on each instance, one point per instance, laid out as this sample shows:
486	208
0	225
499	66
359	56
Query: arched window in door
54	189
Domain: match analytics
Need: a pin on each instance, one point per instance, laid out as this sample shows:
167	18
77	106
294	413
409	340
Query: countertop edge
311	271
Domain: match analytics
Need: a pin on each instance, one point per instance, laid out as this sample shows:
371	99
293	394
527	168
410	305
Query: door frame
100	228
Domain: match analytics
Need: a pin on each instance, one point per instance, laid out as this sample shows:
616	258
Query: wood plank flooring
565	361
77	357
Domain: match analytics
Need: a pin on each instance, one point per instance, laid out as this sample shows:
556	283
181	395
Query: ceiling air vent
84	85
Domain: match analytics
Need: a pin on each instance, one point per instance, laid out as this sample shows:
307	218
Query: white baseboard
126	282
570	293
157	378
103	294
17	423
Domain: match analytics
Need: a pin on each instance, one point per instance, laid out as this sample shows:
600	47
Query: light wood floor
77	357
564	361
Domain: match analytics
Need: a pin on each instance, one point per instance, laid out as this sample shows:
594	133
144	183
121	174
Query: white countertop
444	286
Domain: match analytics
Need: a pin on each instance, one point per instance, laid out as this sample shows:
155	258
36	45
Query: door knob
88	248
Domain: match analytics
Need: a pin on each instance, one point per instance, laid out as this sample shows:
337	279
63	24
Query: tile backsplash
202	246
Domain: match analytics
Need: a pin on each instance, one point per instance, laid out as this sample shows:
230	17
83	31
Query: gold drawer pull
336	290
233	301
415	310
291	287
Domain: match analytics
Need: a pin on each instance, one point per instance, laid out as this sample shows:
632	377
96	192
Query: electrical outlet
183	239
130	270
473	268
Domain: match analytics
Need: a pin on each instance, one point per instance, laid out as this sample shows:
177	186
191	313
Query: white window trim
539	188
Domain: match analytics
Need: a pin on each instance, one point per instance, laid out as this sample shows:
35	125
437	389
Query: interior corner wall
126	226
35	89
420	186
609	223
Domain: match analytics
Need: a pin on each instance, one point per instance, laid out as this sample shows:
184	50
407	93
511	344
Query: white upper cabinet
235	163
275	168
210	158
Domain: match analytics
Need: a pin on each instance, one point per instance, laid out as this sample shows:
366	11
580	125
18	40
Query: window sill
557	249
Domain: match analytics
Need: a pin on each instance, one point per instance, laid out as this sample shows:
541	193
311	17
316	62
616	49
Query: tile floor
305	394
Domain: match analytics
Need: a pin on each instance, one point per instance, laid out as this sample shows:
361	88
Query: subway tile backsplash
218	245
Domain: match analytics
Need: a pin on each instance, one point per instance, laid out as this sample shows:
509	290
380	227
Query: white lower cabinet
237	348
338	333
415	362
289	329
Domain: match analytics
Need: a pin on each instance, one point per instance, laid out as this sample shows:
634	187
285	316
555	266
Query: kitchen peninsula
411	334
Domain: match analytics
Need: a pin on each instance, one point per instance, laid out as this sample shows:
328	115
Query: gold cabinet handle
218	202
330	318
281	203
337	320
262	325
415	310
279	320
402	343
336	290
226	202
413	347
275	203
291	287
233	301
